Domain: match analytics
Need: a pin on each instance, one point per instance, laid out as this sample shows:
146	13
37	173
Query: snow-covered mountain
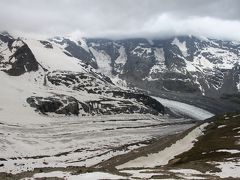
104	70
43	76
185	64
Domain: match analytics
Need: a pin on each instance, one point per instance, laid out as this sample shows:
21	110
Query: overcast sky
122	18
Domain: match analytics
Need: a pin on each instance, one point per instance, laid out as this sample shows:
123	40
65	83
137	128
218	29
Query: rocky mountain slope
180	68
214	154
185	64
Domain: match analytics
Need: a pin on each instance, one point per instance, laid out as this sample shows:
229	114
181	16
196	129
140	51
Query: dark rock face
230	77
177	85
78	81
112	101
126	103
146	100
24	62
75	50
113	106
6	38
21	58
56	104
47	44
140	60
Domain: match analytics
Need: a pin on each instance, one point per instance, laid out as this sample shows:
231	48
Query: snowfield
53	59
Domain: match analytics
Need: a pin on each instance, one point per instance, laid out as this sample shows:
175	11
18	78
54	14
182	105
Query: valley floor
86	143
80	141
214	154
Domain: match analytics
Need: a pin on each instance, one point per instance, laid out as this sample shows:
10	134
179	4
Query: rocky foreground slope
215	154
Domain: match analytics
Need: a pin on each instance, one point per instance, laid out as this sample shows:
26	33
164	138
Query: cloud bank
122	18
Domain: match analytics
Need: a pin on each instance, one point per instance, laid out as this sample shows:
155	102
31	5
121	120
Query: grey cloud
122	18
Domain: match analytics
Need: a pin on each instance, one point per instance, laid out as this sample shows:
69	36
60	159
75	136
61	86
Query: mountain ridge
179	68
186	58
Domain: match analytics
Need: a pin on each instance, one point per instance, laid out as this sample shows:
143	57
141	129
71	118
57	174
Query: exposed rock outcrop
16	58
58	104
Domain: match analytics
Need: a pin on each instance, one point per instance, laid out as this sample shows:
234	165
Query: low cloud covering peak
122	18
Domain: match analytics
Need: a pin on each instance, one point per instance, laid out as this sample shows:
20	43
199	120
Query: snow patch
159	66
69	176
228	169
122	58
232	151
222	126
140	51
181	46
103	61
119	82
160	58
79	42
234	129
202	62
190	67
186	171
